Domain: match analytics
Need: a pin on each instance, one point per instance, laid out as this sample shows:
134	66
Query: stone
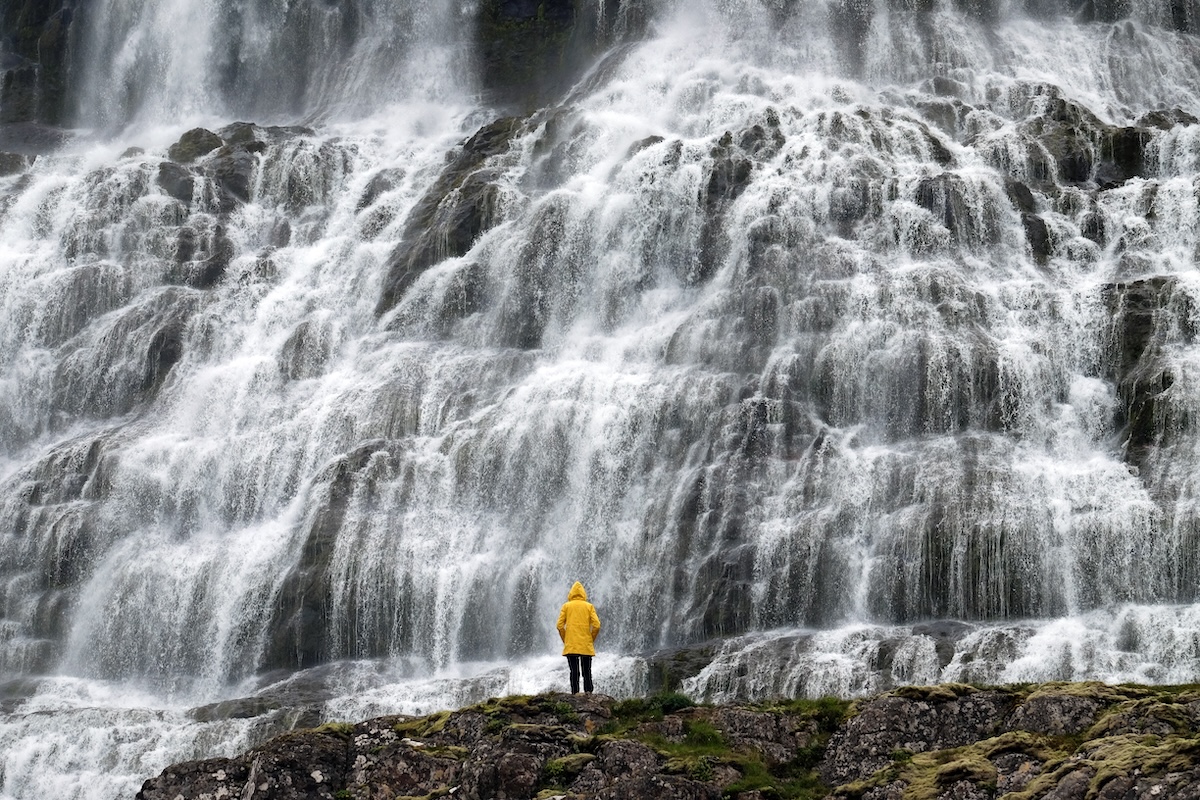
1144	313
1056	714
452	214
924	721
547	746
193	144
1037	233
1074	786
177	181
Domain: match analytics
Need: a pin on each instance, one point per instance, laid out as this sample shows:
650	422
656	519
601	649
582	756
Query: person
578	627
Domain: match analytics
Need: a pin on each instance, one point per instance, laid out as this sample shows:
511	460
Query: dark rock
1021	196
642	144
1092	227
1145	312
732	168
1122	156
448	219
531	50
555	745
1037	233
34	77
232	169
30	138
305	352
1166	120
667	669
1074	786
193	144
176	181
298	625
166	348
240	708
947	198
380	183
216	251
12	164
850	23
1014	771
306	764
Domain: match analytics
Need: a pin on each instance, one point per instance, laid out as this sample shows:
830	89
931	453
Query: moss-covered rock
193	144
1019	742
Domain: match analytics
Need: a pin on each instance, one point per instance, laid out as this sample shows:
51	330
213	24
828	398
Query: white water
810	439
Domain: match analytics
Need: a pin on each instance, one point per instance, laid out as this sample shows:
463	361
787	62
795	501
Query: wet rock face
34	60
452	214
531	50
1148	315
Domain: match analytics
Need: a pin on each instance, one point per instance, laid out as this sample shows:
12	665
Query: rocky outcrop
1056	741
451	215
1148	315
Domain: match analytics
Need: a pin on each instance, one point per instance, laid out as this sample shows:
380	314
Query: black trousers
576	662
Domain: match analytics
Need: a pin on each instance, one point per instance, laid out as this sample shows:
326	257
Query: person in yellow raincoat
578	627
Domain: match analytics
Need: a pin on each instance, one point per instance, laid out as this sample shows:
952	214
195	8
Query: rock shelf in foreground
1056	741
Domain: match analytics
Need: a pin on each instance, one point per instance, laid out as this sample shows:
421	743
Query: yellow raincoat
578	624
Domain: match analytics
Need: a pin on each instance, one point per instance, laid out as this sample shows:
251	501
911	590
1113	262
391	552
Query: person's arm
595	623
562	624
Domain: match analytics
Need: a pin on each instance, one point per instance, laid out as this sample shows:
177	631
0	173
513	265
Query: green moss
942	691
1172	714
569	765
496	723
343	730
828	712
786	782
628	714
928	775
449	751
549	705
424	726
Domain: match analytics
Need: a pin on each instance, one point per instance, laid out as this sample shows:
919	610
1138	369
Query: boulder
193	144
176	181
913	721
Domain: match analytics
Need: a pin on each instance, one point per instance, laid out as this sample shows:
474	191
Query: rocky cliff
1054	741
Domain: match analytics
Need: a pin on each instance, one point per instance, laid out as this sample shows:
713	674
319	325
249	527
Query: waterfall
832	345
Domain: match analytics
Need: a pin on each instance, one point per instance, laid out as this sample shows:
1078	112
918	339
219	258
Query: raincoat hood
578	623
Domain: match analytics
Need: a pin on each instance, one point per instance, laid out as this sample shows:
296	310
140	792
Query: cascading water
832	345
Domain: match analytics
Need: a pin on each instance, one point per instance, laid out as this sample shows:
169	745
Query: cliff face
1060	741
35	39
